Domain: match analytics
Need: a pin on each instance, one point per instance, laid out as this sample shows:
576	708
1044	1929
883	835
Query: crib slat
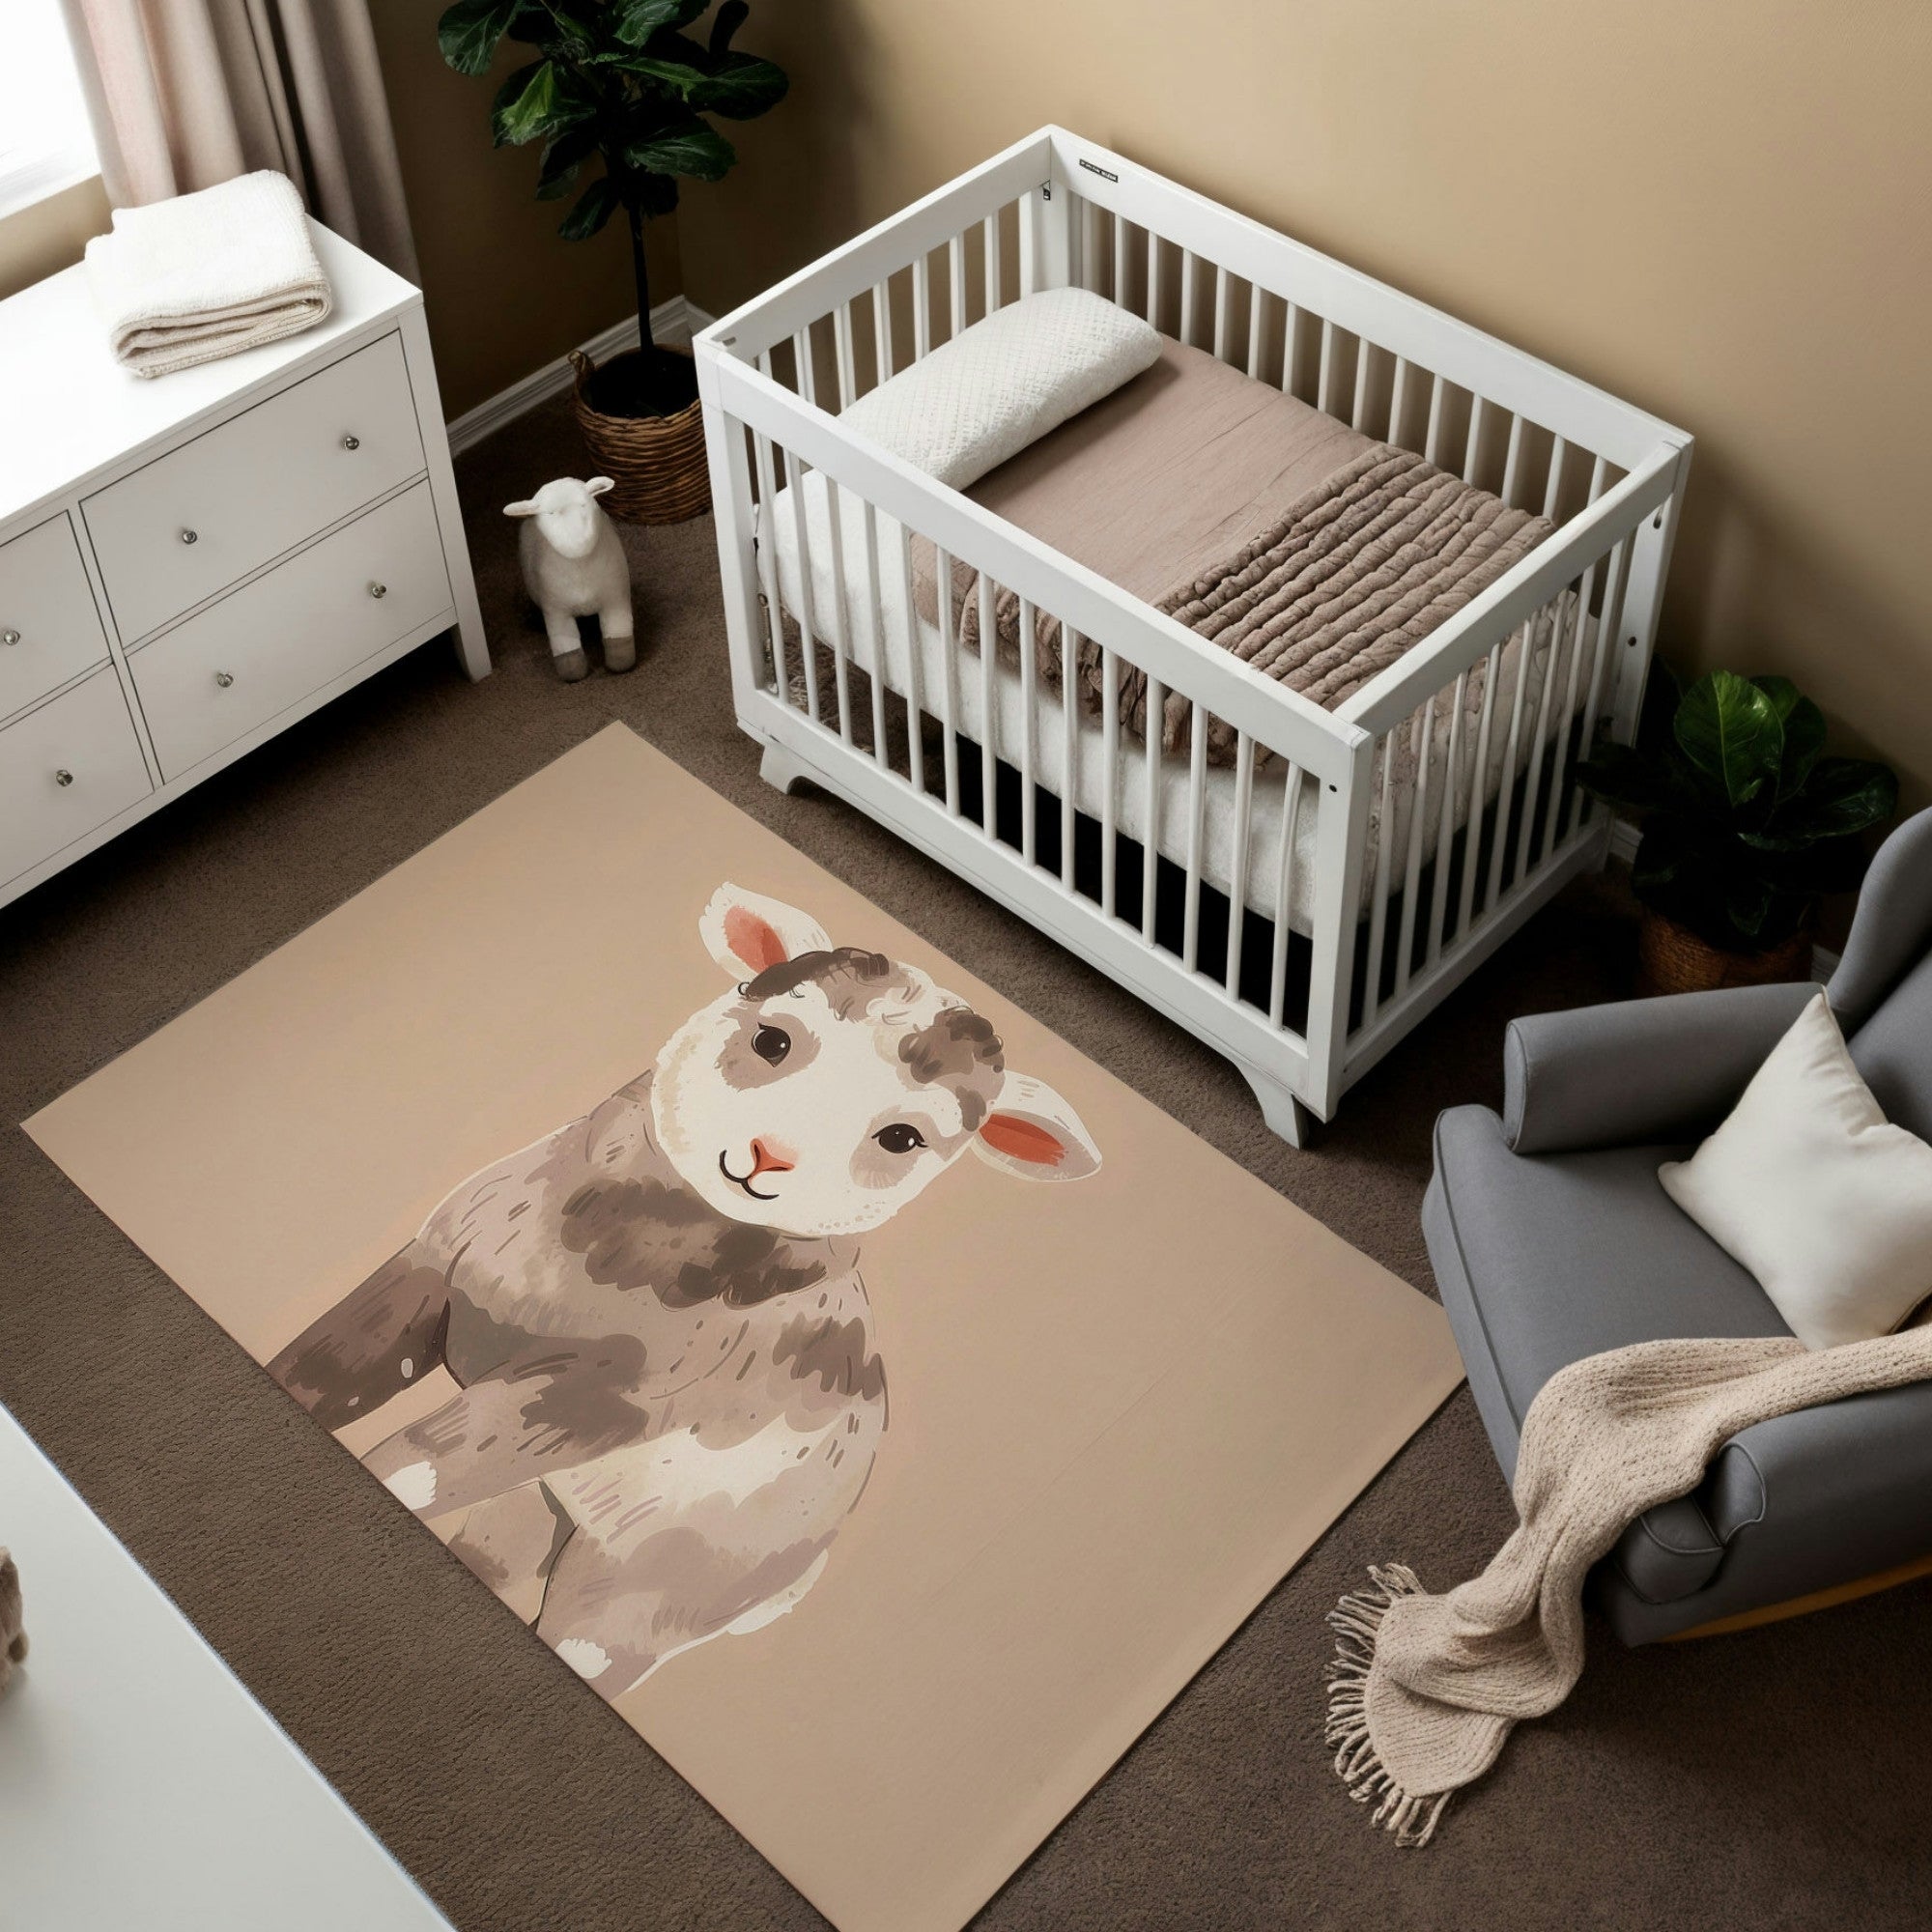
990	232
1187	294
915	669
882	331
875	633
1157	707
1254	331
948	696
1222	317
1358	417
1197	805
1553	810
767	552
1283	893
841	614
1110	778
1445	835
1422	742
1472	450
1372	990
989	712
807	376
1431	449
1070	644
1525	656
1153	278
1398	396
1553	487
1513	462
807	616
1121	260
1479	785
1325	368
1089	247
1237	887
1525	830
1290	353
922	308
1605	654
1029	730
955	280
848	372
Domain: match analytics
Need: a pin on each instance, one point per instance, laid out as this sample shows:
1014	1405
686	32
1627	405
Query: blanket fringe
1356	1621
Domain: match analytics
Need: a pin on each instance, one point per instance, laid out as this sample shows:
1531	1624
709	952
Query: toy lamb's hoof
620	653
572	664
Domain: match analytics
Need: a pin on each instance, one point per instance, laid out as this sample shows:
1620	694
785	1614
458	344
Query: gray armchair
1552	1239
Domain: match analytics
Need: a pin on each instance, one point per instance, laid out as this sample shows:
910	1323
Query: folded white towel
206	274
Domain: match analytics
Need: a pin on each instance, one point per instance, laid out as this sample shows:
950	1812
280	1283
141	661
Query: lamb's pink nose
771	1157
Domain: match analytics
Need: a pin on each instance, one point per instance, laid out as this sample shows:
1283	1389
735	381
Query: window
45	143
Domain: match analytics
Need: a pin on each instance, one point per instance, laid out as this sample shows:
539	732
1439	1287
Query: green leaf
1631	780
561	161
636	20
696	151
527	104
741	86
1748	905
594	207
725	22
681	78
1804	726
468	32
1843	797
1730	730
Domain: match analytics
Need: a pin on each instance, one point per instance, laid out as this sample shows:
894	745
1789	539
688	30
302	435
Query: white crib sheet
1220	805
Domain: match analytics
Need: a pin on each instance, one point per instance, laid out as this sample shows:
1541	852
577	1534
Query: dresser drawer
66	768
192	522
49	630
232	667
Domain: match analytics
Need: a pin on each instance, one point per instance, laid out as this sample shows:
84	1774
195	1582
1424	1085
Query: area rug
882	1407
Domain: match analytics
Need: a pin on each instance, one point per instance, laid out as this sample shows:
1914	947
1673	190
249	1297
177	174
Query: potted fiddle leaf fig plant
617	92
1746	824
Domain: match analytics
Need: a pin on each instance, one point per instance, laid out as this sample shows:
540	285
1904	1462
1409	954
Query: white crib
1302	909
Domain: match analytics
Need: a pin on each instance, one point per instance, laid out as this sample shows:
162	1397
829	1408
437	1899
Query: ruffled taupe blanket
1424	1689
1359	570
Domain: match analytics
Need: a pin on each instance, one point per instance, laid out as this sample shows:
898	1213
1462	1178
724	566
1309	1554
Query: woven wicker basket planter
1671	960
657	462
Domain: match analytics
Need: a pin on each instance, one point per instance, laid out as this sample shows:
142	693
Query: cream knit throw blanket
1424	1689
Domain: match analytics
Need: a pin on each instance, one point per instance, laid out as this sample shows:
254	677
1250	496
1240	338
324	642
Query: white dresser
190	564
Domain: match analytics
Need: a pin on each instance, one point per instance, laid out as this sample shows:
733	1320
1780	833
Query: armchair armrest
1661	1070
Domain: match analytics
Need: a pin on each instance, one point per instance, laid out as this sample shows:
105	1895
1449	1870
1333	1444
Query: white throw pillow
1811	1189
1005	382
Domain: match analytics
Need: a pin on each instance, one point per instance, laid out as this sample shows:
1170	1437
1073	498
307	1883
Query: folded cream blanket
1424	1689
206	274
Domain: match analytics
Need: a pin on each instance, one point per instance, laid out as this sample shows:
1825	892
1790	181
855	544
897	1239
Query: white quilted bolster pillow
1005	382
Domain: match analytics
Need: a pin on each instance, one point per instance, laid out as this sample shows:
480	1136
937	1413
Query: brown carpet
1772	1779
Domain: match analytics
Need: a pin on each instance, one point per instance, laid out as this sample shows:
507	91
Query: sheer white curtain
187	93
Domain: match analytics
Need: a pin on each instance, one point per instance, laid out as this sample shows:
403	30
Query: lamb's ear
1034	1134
747	933
526	508
597	485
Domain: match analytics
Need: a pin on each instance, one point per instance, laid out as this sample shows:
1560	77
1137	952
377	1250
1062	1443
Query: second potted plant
622	84
1747	825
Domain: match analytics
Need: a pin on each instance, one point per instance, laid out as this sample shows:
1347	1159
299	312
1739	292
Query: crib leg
1284	1114
779	769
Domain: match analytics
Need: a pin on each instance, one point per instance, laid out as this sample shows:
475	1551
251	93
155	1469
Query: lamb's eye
899	1138
771	1044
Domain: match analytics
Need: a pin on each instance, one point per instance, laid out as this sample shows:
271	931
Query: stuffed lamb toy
13	1638
574	567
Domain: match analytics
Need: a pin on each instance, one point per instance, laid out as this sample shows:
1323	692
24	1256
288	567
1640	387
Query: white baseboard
675	320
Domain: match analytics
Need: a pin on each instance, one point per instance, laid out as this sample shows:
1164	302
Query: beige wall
1722	211
503	293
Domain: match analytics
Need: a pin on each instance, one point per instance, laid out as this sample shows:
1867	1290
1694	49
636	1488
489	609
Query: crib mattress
1173	471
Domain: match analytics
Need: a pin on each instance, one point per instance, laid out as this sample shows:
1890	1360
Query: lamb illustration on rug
669	1398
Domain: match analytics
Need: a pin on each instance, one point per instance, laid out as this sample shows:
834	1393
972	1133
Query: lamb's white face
566	513
830	1086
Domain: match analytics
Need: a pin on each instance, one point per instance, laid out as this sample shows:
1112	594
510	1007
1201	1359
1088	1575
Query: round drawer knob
62	777
378	590
190	537
224	678
352	443
10	636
